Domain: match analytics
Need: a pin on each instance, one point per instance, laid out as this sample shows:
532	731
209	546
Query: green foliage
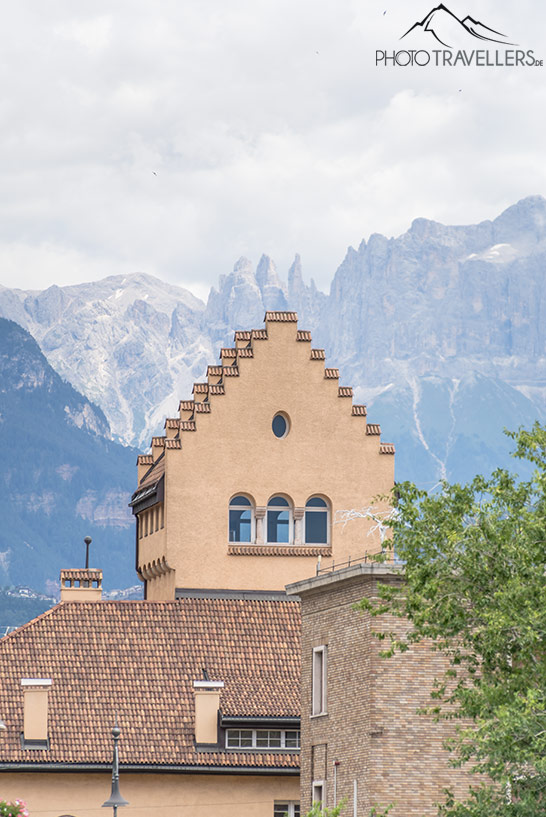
475	569
319	811
15	809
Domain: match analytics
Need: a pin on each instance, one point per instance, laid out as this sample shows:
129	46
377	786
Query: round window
280	425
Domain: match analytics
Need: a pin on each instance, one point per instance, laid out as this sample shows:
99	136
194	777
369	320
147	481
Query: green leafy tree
475	586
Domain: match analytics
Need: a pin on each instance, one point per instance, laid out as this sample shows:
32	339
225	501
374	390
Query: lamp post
115	798
87	541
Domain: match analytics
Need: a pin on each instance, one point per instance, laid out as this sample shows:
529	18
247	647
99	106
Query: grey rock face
426	310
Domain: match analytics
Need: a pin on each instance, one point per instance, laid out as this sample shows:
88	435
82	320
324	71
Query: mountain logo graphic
443	25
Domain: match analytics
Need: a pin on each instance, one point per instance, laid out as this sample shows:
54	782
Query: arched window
279	520
316	521
241	519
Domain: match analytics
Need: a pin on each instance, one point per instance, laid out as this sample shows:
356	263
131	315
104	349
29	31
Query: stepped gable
217	375
169	642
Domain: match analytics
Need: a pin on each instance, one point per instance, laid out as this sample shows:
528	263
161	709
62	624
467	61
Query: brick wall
372	728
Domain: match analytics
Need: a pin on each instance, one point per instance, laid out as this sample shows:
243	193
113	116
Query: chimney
207	705
35	694
84	584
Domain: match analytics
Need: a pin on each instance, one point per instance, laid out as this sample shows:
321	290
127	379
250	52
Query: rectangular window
318	791
286	809
262	739
319	683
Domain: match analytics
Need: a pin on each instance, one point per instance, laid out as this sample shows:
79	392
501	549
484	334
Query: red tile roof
228	352
243	334
259	334
173	444
200	388
285	317
303	335
145	459
245	353
231	371
373	428
140	659
187	425
387	448
359	411
186	405
214	371
202	408
331	374
345	391
318	354
217	388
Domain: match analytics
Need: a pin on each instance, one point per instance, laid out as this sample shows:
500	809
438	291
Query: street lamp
115	798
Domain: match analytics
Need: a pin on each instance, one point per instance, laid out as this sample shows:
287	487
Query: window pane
240	500
316	527
296	810
279	425
292	740
278	526
315	502
233	738
240	526
278	500
281	810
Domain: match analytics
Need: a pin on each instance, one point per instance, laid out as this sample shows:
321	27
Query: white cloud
259	143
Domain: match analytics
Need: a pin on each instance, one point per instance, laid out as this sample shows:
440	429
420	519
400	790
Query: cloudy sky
173	136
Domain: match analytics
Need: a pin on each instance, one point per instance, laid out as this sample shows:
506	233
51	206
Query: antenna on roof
87	541
205	675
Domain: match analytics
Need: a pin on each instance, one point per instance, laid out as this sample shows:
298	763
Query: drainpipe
335	765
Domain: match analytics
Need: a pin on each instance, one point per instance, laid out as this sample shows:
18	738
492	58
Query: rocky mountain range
441	331
62	477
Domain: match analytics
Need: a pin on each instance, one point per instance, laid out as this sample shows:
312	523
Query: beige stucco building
240	497
244	489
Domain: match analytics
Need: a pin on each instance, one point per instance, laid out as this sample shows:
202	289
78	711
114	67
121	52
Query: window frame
316	510
290	810
254	738
290	508
318	784
252	508
319	681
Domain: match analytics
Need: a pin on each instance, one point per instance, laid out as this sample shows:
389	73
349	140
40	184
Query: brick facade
371	730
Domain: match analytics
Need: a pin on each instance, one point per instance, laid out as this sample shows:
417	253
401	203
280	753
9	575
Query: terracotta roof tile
202	408
214	371
200	388
259	334
145	459
231	371
373	428
225	353
158	441
303	335
153	475
241	334
173	444
318	354
217	388
386	448
245	353
140	658
279	550
82	573
172	422
186	405
345	391
286	317
331	374
187	425
359	411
